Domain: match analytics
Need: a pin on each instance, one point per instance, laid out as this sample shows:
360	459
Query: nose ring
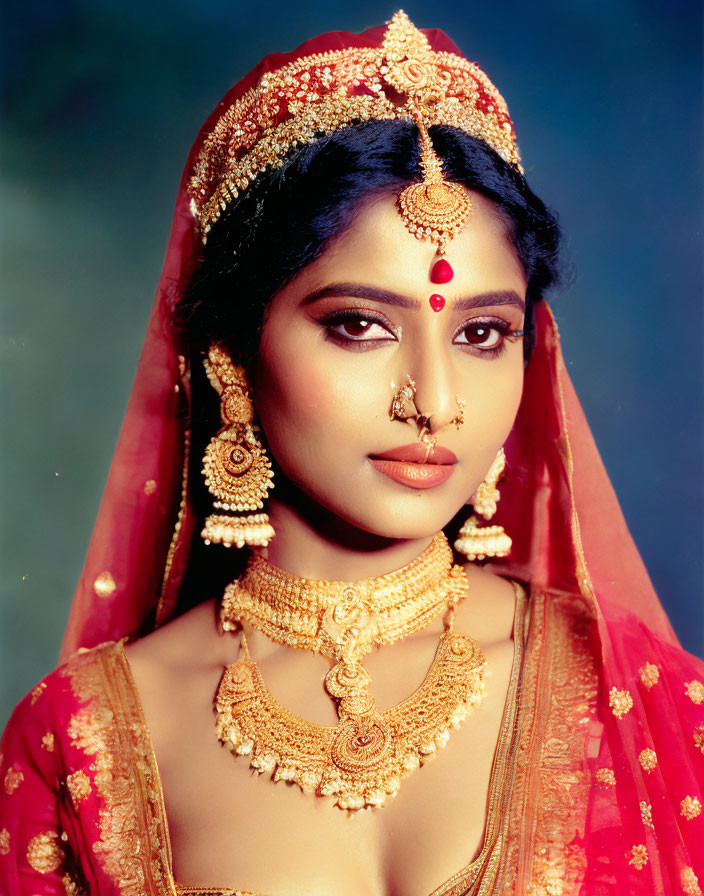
403	405
461	404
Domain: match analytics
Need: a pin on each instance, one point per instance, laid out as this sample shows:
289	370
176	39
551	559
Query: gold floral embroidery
695	691
78	784
690	882
36	692
621	702
646	814
48	742
150	486
104	584
638	856
548	878
110	728
649	675
71	887
4	842
699	737
606	776
690	807
648	759
13	779
547	811
43	852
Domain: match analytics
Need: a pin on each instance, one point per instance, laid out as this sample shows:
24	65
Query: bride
278	674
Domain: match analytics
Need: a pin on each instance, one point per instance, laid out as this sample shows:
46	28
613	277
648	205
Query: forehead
377	248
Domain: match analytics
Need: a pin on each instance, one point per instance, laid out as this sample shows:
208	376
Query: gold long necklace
362	760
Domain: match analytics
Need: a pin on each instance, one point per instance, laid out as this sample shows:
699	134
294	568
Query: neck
317	544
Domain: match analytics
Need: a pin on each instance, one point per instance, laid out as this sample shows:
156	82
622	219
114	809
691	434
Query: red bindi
441	272
437	302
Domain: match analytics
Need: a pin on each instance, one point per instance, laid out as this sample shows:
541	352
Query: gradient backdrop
101	101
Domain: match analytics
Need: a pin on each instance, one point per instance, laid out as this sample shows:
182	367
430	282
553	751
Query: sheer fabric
634	759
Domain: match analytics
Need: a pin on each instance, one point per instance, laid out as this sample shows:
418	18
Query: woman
352	305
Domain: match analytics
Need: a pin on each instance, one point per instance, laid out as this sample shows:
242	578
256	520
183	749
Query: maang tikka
476	542
236	468
434	209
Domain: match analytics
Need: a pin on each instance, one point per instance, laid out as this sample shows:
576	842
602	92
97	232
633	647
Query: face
351	328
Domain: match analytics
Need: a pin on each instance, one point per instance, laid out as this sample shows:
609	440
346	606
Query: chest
231	826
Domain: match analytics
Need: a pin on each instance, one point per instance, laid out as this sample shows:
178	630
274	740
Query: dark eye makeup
361	330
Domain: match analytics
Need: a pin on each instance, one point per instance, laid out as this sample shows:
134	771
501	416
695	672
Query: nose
436	398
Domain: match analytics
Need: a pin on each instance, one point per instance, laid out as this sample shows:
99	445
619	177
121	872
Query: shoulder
489	609
40	737
186	649
59	690
186	641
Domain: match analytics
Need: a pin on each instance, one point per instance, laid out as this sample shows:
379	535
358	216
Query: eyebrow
386	297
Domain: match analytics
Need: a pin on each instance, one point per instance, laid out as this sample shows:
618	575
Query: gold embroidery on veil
109	727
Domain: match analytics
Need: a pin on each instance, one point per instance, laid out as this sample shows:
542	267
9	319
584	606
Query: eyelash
339	318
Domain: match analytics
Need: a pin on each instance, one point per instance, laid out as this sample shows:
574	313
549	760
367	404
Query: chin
374	505
413	517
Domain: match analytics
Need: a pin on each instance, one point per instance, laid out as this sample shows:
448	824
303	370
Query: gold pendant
361	761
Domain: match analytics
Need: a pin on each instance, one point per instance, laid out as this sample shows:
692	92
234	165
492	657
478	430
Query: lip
415	454
408	465
414	475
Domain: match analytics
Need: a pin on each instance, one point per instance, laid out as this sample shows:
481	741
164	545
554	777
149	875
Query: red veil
568	535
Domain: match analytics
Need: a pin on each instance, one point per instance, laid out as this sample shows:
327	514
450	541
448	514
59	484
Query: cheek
306	403
493	398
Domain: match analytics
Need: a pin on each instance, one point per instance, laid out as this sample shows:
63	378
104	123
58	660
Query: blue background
101	102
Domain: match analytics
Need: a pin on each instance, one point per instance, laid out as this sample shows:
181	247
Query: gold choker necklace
360	761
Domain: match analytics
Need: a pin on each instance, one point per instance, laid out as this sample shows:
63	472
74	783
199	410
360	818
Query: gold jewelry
490	541
434	209
296	104
461	404
402	398
478	543
360	761
236	468
487	494
403	407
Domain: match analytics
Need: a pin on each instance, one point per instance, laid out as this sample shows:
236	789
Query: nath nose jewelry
403	405
461	404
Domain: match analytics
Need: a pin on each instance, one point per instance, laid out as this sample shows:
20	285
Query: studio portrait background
101	102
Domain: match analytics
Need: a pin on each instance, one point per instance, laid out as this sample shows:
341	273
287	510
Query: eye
483	334
356	326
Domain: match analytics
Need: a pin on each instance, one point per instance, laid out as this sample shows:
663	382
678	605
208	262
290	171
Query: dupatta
643	754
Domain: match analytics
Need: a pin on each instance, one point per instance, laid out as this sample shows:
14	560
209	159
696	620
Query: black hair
284	220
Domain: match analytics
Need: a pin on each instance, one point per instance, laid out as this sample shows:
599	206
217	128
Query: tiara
316	95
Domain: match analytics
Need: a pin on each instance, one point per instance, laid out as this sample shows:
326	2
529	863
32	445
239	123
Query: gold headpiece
296	104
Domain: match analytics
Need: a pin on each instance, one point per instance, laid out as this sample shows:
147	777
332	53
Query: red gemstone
437	302
441	272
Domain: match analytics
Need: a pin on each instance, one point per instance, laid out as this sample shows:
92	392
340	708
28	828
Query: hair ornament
312	96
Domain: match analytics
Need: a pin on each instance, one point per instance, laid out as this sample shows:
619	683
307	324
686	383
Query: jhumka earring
236	468
490	541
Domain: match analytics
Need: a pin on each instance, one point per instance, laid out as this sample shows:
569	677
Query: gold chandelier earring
236	468
478	543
